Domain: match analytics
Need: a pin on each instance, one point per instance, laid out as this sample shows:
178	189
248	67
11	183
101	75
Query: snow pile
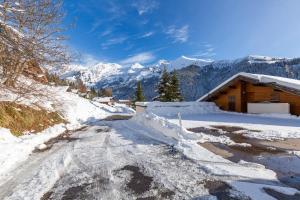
157	114
173	108
160	124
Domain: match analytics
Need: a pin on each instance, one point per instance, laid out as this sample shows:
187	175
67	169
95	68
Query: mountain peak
137	66
184	61
263	59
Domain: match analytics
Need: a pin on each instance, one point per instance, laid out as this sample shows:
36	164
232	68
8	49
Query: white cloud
113	41
148	34
179	34
144	57
88	60
145	6
106	32
115	10
96	24
207	52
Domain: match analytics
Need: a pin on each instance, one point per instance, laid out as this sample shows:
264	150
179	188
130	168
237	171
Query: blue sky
145	31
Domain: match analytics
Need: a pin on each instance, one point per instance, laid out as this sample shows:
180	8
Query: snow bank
160	124
173	108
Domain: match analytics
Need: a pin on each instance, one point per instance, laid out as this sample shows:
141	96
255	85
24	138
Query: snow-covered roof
261	78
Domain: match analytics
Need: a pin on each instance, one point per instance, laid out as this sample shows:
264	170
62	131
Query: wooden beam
244	96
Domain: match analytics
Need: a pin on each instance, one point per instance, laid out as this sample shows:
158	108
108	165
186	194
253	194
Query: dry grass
20	118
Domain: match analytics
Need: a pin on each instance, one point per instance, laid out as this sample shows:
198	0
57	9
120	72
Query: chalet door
231	103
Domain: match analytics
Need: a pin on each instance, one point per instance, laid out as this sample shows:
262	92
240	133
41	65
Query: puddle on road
65	136
139	182
103	130
118	117
232	129
143	186
76	192
272	154
292	144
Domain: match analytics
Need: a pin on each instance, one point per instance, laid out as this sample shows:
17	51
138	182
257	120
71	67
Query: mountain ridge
205	74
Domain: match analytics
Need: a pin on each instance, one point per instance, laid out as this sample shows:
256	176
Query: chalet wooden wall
255	94
266	93
222	99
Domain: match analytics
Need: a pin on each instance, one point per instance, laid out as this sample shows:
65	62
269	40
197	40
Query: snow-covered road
118	160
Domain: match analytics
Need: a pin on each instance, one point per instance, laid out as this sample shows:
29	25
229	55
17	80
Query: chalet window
231	103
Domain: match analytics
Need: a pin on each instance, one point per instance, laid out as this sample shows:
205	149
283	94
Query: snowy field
146	157
268	126
253	131
122	160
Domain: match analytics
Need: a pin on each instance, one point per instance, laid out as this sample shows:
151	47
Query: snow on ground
94	165
76	110
255	191
15	150
204	114
261	127
164	119
187	142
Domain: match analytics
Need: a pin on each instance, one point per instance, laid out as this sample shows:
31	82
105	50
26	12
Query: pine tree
163	88
93	93
139	92
175	94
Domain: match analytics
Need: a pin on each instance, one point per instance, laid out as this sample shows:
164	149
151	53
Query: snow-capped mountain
111	72
88	74
184	61
196	76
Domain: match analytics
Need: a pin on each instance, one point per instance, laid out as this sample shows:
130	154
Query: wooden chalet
257	93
